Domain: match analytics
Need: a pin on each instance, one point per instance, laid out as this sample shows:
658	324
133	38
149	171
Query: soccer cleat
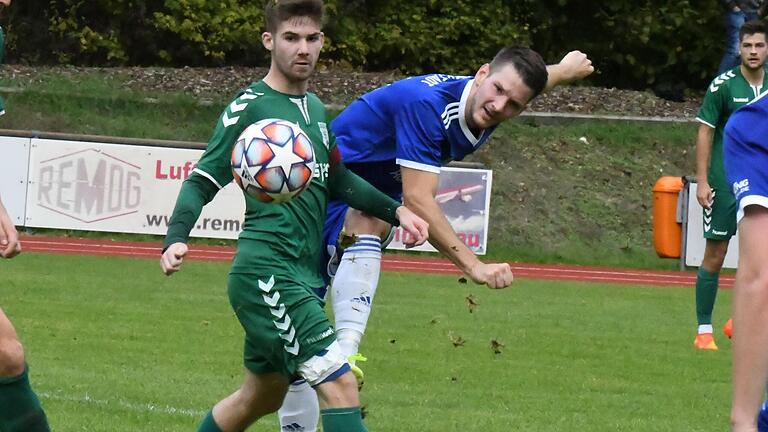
728	328
705	341
353	359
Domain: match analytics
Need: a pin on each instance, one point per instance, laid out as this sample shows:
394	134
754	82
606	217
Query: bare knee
358	222
339	393
714	255
11	357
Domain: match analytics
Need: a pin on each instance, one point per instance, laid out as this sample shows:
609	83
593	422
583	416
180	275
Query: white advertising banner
694	240
119	188
13	176
465	198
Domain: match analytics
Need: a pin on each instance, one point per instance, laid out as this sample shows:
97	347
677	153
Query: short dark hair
278	11
527	62
752	27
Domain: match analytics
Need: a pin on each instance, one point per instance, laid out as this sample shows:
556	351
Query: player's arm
703	151
359	194
419	190
9	238
212	173
574	66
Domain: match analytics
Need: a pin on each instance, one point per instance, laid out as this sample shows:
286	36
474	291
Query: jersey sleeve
216	163
419	136
713	104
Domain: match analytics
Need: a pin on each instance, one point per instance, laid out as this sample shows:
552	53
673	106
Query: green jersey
283	240
727	93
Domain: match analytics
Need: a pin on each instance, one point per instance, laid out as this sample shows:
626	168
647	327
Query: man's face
295	47
496	97
753	50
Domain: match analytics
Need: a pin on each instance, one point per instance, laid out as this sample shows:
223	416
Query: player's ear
267	41
483	72
322	39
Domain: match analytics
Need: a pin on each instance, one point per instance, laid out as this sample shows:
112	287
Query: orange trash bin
667	233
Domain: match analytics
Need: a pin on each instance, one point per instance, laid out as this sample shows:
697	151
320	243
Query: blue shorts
746	163
384	176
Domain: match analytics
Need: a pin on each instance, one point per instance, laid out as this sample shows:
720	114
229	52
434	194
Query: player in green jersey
727	92
2	52
20	410
276	267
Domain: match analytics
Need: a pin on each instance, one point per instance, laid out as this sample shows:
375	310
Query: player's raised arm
419	189
574	66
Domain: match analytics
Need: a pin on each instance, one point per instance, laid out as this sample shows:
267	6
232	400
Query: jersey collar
463	117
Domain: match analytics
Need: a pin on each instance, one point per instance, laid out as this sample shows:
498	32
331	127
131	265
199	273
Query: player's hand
704	195
575	66
417	227
9	238
172	258
495	275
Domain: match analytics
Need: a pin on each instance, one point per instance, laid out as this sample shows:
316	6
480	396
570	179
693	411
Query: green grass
115	346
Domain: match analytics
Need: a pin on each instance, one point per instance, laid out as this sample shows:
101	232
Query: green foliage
666	45
211	30
422	35
660	44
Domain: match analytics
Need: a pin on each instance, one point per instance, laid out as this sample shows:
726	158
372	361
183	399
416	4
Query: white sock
353	289
705	328
300	410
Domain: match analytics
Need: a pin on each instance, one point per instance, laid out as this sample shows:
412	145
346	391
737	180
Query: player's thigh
11	350
284	322
720	220
753	237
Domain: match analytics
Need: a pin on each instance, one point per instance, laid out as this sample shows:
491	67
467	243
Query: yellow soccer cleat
705	341
353	359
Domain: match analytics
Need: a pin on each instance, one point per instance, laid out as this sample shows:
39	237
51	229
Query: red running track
397	263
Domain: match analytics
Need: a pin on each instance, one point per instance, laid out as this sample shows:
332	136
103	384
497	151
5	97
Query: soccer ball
273	160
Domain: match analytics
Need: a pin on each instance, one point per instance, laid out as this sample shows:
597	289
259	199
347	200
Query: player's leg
750	330
357	277
719	227
300	410
258	396
21	410
329	373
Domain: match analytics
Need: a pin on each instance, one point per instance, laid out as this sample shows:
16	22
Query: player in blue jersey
397	137
746	165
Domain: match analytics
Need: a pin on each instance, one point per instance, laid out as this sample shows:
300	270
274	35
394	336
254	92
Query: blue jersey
746	153
417	122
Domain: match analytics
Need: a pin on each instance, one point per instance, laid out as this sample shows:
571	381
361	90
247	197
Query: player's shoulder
725	80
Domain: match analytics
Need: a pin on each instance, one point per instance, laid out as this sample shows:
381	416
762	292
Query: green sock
706	292
208	424
20	410
342	420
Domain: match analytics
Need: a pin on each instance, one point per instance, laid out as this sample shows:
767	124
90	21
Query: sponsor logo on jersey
740	100
740	187
433	80
324	132
321	336
321	171
720	80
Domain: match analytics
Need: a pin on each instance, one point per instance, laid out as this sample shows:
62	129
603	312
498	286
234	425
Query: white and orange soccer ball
273	160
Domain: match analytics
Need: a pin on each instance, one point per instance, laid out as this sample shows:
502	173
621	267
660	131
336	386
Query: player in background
746	164
275	269
397	137
727	92
20	409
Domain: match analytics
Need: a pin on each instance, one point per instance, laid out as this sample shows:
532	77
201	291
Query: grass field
115	346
